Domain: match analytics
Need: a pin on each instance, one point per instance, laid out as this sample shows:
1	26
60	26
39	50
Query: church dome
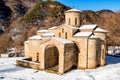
73	10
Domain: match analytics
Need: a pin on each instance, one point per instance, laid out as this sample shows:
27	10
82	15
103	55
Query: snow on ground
8	71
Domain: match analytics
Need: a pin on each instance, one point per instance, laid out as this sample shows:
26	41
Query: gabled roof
48	34
71	27
93	37
91	26
52	28
44	31
36	37
26	42
65	41
100	30
83	34
73	10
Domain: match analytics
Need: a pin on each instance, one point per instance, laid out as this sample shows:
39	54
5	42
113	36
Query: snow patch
93	37
48	34
8	71
83	34
92	26
73	10
100	30
52	28
36	37
42	31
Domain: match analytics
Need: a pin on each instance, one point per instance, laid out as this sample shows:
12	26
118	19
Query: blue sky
92	4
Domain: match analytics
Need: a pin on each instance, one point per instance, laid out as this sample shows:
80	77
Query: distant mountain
104	12
23	18
46	14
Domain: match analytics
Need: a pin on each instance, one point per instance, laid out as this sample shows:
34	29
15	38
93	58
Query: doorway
52	58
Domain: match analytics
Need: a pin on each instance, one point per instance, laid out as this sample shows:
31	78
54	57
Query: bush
34	15
5	42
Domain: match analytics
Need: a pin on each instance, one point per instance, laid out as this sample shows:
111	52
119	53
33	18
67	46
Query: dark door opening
51	58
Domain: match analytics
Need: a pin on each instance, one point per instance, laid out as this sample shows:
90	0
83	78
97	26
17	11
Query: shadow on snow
16	68
112	59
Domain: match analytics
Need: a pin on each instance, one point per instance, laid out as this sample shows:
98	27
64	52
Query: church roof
48	34
26	42
71	26
36	37
52	28
42	31
73	10
83	34
100	30
93	37
91	26
65	41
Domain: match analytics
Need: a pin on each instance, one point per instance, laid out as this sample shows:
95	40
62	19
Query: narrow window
59	34
103	53
69	21
65	35
81	20
75	21
37	57
62	30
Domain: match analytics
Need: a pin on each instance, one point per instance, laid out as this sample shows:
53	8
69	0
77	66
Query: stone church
68	45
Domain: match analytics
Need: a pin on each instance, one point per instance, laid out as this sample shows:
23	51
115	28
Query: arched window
81	19
37	57
75	21
69	21
59	34
65	35
62	30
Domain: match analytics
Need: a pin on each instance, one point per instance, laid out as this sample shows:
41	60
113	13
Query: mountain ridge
26	19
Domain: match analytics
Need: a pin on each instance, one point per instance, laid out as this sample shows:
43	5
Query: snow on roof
93	37
44	31
71	26
73	10
52	28
65	41
26	42
48	34
100	30
83	34
35	37
92	26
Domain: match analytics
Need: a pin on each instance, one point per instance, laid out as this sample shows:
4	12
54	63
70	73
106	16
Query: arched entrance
51	57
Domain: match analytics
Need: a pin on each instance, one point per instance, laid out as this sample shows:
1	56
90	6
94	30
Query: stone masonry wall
82	55
102	37
70	57
92	53
70	18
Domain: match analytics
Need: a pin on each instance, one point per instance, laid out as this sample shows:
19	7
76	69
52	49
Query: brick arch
60	56
51	57
65	61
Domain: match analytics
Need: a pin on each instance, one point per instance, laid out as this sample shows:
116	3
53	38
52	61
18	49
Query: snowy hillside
8	71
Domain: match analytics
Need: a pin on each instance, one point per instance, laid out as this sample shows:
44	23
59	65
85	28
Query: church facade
62	47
